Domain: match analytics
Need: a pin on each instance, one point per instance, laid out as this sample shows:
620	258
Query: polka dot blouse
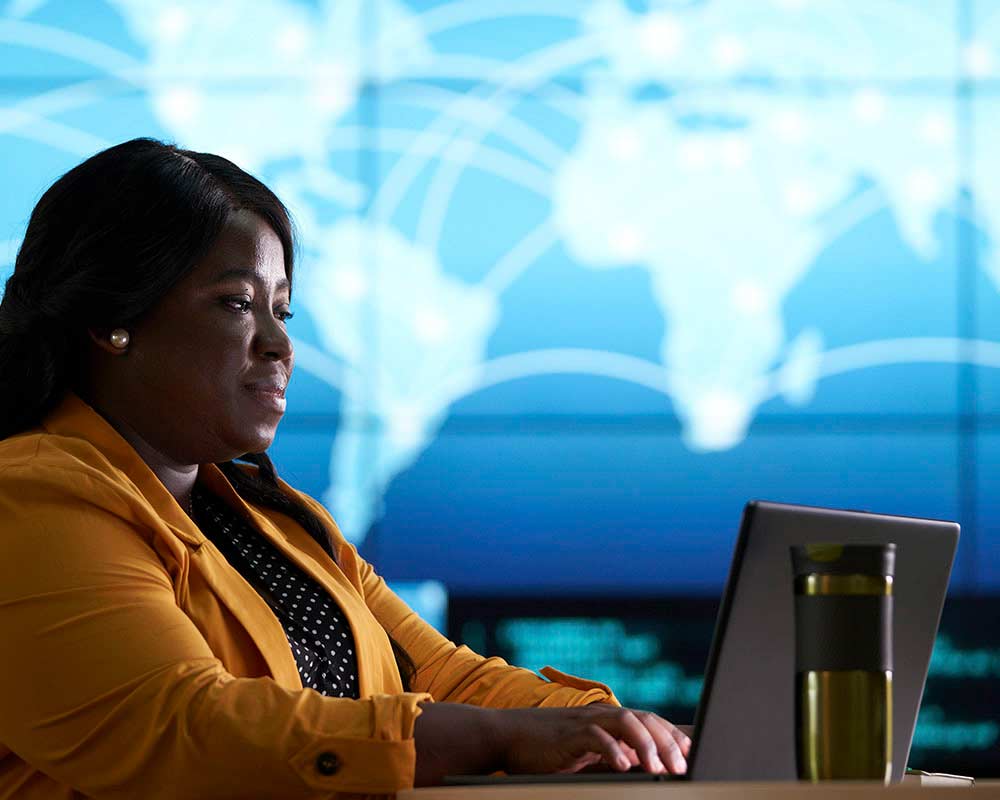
320	638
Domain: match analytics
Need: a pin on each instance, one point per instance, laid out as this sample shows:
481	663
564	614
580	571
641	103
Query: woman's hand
456	739
569	739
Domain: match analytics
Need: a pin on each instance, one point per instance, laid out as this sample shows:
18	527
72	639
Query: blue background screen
578	278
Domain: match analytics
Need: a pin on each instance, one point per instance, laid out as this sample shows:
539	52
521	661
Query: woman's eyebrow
247	275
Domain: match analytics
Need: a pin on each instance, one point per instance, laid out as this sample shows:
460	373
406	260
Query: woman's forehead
246	247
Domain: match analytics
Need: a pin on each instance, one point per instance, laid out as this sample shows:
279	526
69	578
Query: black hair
103	246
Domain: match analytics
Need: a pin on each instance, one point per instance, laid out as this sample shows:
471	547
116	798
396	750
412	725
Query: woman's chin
257	442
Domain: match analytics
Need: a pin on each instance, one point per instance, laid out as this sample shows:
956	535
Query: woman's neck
179	479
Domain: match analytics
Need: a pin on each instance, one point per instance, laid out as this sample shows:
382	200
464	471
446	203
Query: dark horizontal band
843	632
844	559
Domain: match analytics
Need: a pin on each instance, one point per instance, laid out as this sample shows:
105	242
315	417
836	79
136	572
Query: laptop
745	723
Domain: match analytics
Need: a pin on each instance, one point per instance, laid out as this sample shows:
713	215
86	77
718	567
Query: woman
176	624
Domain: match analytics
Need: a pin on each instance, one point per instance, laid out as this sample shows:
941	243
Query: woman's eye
241	304
283	314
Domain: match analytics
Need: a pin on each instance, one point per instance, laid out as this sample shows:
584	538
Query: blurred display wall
578	278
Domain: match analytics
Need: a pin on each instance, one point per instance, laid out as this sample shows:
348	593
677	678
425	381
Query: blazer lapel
250	610
77	419
356	613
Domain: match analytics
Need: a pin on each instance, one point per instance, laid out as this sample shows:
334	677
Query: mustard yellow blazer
135	662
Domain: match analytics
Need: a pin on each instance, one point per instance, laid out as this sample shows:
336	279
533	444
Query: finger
632	756
680	732
607	745
584	761
634	733
683	739
671	744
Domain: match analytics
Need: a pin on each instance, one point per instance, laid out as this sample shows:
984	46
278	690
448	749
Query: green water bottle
843	655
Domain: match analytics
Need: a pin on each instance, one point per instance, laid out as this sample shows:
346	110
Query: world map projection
578	278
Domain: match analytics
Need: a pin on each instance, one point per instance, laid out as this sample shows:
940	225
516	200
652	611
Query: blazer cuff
592	691
384	763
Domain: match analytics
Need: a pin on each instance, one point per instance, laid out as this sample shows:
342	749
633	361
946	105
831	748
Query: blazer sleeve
453	673
106	685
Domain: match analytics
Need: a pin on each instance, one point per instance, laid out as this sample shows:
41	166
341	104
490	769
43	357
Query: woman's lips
271	396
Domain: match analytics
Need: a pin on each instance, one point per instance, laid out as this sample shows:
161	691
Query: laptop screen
745	726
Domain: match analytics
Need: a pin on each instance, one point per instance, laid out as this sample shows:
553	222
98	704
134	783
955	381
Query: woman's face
204	375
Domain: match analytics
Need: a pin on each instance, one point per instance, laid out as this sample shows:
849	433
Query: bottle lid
829	558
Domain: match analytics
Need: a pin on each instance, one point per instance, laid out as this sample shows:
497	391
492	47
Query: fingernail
624	763
679	764
658	765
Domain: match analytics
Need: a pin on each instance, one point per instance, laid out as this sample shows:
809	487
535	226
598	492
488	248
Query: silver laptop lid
745	725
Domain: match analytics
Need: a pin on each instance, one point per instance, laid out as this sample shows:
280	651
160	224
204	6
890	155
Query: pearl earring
119	338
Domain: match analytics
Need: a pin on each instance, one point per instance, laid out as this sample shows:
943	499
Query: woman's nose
273	341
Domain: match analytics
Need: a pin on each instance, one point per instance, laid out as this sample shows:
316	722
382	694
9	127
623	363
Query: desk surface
699	791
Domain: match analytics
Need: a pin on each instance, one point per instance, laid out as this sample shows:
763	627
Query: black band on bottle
848	559
842	632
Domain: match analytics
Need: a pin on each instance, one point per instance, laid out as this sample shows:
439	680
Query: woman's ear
115	341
